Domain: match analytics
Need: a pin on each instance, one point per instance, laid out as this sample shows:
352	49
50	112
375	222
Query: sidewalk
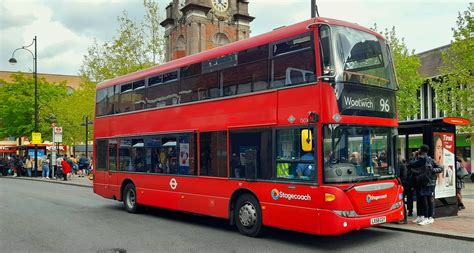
76	181
457	227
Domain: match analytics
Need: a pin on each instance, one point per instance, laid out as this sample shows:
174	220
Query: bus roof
275	35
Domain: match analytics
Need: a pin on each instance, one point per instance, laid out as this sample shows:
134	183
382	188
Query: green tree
71	110
455	90
406	70
138	45
17	112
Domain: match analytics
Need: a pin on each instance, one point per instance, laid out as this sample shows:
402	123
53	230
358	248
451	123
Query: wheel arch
237	193
122	187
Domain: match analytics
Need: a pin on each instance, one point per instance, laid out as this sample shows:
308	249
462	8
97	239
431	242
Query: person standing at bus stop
66	168
29	165
45	166
426	182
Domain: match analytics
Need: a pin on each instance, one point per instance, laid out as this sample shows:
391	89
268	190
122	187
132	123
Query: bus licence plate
378	220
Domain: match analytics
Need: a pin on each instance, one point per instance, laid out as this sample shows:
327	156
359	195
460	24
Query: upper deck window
191	70
126	87
362	58
125	100
101	102
253	54
139	84
171	76
223	62
138	95
155	80
292	45
163	90
293	62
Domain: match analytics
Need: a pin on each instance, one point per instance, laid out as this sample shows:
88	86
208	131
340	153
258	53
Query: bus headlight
350	213
396	205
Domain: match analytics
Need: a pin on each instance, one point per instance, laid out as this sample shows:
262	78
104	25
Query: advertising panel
41	153
443	154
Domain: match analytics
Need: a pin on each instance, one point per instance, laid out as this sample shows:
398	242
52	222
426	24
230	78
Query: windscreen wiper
354	184
358	181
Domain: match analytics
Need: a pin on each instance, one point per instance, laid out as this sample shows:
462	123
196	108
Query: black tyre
130	198
248	215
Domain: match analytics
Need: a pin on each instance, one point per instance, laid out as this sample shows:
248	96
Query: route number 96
384	105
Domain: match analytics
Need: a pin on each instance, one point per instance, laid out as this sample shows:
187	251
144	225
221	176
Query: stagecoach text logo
369	197
276	194
173	183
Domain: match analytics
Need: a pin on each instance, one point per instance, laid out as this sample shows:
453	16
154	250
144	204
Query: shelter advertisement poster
444	149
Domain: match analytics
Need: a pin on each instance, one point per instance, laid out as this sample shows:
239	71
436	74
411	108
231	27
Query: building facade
431	62
193	26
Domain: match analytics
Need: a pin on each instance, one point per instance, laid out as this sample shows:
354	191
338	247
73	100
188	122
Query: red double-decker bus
291	129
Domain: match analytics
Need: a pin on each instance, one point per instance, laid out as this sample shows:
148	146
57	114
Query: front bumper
335	225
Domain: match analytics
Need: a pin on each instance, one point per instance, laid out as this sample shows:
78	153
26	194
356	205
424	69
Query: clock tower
193	26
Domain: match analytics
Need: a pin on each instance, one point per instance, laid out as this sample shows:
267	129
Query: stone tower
193	26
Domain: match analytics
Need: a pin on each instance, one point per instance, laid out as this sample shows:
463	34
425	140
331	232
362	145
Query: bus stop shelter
440	135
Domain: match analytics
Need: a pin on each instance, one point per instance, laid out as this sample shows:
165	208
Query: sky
66	28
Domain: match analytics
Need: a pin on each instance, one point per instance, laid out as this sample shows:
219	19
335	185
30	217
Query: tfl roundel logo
275	194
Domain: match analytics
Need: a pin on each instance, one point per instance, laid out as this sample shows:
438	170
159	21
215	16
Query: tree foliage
71	112
455	90
138	45
406	70
17	111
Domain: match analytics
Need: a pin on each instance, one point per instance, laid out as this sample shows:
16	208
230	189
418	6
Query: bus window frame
160	135
314	131
272	57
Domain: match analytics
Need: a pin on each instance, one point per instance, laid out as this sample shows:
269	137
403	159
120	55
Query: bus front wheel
248	215
130	198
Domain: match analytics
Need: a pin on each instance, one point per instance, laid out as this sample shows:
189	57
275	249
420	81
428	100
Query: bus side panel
288	206
297	103
101	186
190	194
294	218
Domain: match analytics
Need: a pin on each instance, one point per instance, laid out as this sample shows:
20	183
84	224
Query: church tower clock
193	26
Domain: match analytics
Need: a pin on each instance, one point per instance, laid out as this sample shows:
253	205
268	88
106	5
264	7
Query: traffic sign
36	138
57	134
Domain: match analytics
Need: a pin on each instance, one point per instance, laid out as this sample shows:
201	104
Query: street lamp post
86	122
35	76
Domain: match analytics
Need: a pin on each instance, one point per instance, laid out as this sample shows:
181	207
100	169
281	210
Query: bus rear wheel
130	198
248	215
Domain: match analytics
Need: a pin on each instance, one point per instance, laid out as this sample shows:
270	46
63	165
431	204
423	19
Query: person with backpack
426	170
83	165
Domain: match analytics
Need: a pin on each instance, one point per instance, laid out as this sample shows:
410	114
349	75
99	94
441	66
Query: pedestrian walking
426	169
